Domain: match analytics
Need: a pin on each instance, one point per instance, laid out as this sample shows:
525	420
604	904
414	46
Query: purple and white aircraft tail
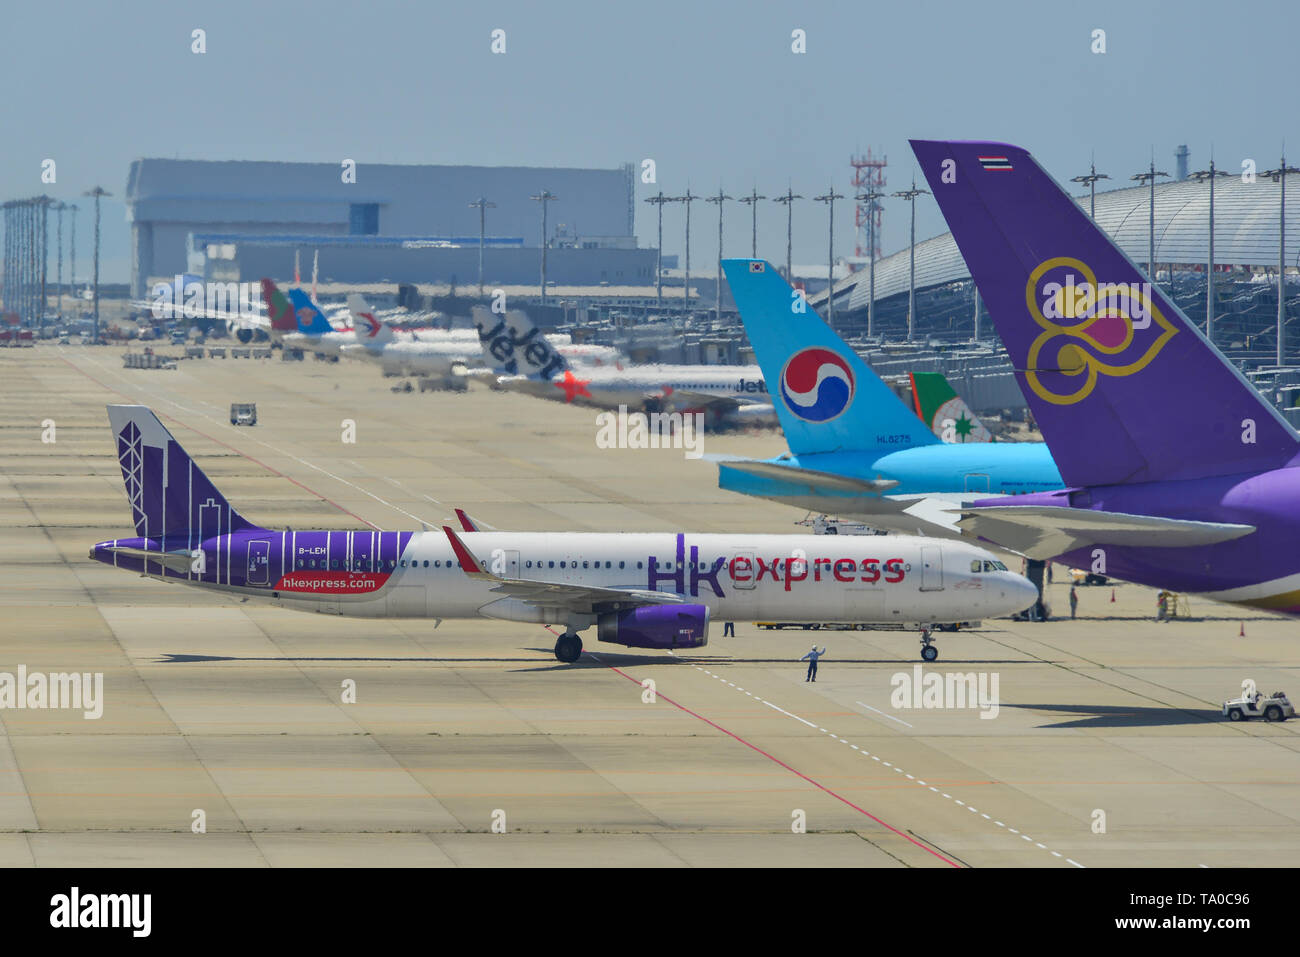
1182	476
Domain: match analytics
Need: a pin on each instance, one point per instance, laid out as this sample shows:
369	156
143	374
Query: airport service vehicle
1178	473
855	449
243	413
1276	707
642	590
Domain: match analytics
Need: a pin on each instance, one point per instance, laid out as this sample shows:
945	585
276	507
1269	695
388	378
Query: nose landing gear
928	650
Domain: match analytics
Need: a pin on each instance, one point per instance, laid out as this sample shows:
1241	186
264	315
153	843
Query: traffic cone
1112	596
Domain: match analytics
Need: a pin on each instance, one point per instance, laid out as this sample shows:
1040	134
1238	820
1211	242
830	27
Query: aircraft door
259	561
931	568
977	482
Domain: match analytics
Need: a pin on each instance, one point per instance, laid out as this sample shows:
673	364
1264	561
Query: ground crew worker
1074	602
729	629
811	658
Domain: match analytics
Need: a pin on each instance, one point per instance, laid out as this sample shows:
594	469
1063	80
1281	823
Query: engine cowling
656	626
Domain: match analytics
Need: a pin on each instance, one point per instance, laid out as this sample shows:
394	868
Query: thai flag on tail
995	163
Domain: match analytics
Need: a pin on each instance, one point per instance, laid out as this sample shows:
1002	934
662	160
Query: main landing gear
928	651
568	647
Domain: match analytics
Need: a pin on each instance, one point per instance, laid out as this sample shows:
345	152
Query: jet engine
656	626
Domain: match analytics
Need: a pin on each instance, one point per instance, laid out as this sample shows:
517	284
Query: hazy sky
710	90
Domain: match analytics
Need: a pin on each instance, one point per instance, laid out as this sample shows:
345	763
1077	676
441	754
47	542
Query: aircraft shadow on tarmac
1103	716
605	659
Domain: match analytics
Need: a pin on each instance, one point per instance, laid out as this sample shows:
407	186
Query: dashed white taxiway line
875	757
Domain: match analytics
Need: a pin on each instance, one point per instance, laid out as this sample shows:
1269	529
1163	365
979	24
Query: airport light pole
98	192
1149	177
482	205
1202	175
870	198
1279	176
717	301
752	202
688	198
1090	180
72	252
658	201
787	199
910	195
59	207
544	197
829	198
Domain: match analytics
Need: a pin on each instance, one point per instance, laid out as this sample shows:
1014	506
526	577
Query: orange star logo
573	386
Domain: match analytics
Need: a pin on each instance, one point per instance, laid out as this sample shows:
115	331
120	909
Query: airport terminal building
240	220
1246	221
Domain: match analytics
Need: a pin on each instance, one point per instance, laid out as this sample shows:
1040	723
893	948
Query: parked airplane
944	411
642	590
374	340
855	449
513	342
316	333
1179	474
727	395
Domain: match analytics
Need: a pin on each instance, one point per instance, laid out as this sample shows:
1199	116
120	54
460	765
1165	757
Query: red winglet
466	522
468	563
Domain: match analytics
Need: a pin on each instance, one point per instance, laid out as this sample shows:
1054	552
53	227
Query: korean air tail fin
826	397
944	411
1123	386
169	494
279	310
311	320
369	330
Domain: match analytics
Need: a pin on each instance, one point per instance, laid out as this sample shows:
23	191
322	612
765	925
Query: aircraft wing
1045	531
581	599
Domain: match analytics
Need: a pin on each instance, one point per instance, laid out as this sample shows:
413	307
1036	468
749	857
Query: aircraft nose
1023	591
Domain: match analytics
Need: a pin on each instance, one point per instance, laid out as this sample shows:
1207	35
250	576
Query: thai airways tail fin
1123	386
513	345
169	494
370	331
826	397
311	320
944	411
278	309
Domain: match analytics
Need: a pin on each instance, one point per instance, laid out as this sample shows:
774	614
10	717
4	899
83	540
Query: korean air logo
816	385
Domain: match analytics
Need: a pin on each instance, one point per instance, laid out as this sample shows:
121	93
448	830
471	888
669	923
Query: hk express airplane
639	590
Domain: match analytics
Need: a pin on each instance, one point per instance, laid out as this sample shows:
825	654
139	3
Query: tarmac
469	745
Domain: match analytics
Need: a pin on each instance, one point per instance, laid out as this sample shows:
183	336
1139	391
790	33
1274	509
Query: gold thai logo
1090	329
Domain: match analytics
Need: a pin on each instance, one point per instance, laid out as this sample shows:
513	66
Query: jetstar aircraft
642	590
1178	473
855	449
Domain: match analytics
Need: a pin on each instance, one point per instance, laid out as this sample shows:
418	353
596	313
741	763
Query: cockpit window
1000	566
975	564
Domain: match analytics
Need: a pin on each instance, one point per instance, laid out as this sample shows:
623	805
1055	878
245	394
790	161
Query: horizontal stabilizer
1046	531
813	479
176	561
